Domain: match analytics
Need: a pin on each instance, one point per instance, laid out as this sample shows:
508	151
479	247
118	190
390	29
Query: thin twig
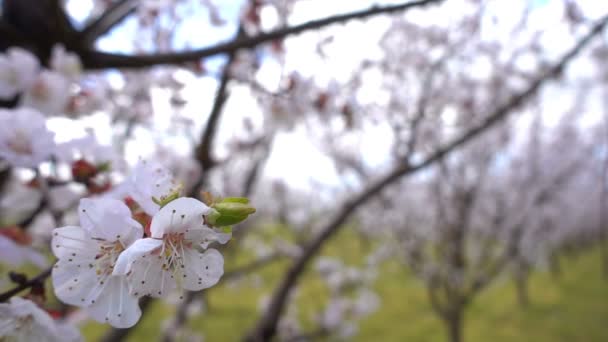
40	278
112	16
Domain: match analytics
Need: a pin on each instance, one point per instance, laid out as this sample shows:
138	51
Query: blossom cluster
22	320
46	90
152	243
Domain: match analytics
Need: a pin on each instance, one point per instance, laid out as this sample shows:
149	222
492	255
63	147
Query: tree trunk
604	256
521	286
454	326
554	265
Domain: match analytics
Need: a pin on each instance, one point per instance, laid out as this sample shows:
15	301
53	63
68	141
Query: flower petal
202	270
69	242
149	277
77	283
178	216
115	305
204	236
109	219
136	251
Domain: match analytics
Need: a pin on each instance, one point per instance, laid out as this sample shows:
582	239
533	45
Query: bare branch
99	60
26	285
266	327
204	149
116	13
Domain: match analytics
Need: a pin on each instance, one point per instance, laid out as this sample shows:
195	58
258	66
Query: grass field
571	307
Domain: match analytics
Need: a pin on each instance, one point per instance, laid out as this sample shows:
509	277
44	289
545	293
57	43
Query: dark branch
266	327
116	13
204	149
26	285
99	60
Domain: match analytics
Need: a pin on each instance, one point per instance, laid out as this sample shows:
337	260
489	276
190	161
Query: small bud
82	171
18	235
145	220
230	211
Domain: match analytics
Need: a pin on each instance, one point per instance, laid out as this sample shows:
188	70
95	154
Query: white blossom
89	149
66	63
149	180
18	202
22	320
18	70
49	93
87	255
25	141
15	254
173	256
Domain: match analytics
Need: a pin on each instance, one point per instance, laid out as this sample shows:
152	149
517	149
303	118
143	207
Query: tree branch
112	16
99	60
266	327
31	282
203	150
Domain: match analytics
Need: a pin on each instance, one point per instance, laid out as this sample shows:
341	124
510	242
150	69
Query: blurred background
422	171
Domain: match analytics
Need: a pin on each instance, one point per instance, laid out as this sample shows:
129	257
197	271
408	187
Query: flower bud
229	211
82	171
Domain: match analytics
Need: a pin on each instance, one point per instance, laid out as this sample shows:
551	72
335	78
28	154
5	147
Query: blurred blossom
22	320
148	180
25	140
49	93
89	149
66	63
18	71
16	252
18	202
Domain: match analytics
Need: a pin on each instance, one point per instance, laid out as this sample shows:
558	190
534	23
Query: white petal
136	251
204	236
149	277
149	179
77	283
178	216
115	305
10	252
34	257
73	242
49	93
109	219
202	270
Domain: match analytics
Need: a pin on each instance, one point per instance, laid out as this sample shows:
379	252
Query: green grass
572	307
